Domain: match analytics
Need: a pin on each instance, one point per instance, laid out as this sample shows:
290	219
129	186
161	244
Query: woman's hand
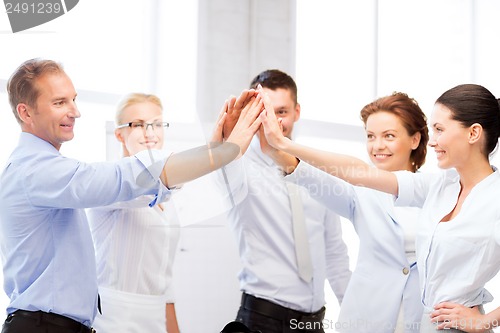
452	315
273	129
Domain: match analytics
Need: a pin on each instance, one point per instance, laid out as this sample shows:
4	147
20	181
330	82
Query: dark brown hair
472	103
274	79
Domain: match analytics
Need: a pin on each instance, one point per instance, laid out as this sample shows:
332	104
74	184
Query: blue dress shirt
46	246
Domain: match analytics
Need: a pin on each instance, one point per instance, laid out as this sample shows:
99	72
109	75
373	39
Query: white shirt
386	277
455	258
262	222
407	219
135	246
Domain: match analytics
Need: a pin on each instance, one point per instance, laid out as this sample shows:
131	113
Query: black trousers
268	317
41	322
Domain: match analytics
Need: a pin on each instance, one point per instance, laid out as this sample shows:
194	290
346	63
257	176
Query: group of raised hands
243	116
238	121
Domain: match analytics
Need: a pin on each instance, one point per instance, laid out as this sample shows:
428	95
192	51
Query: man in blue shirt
45	242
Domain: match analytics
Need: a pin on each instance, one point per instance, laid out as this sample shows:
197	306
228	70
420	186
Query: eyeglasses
156	126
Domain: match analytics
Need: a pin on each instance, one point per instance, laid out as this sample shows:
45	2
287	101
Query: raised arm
348	168
194	163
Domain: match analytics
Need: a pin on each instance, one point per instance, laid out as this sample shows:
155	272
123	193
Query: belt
54	319
273	310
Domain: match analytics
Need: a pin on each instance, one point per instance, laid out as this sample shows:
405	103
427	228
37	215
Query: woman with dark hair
458	238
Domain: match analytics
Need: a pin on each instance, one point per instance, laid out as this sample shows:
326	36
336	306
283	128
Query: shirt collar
31	143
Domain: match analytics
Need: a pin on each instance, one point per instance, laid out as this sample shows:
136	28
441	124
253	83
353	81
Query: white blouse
407	220
135	246
455	258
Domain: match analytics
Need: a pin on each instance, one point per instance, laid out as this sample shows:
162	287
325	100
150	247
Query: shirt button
406	271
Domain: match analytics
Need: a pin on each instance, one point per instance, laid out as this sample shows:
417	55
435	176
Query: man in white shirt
278	296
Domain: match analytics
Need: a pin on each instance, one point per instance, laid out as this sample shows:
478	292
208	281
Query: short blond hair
135	98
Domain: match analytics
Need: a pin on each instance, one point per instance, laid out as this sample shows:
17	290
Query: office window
335	59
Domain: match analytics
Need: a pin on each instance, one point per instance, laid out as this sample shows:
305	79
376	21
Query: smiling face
137	139
285	108
388	143
53	116
449	138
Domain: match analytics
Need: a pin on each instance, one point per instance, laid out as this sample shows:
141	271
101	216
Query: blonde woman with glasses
136	244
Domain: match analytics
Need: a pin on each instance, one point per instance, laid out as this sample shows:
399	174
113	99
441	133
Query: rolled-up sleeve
154	161
406	188
413	188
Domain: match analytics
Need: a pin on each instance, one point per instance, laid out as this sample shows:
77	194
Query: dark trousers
42	322
268	317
